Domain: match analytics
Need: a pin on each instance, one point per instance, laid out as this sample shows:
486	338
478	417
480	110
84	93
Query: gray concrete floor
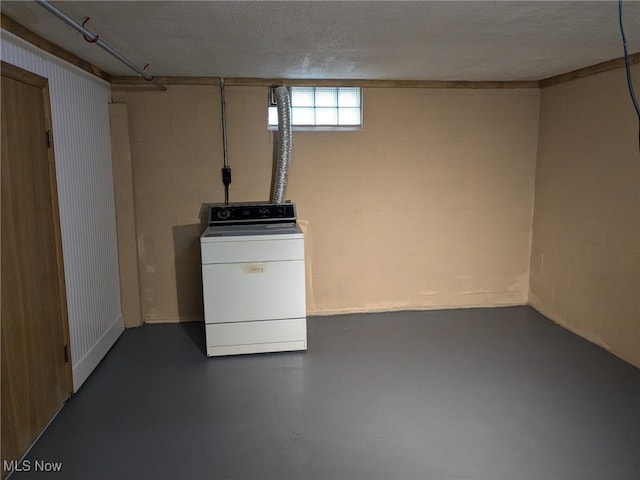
457	394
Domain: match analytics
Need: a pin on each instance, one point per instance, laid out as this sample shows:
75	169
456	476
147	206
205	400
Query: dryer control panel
252	213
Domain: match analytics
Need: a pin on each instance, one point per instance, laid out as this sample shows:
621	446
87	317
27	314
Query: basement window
321	108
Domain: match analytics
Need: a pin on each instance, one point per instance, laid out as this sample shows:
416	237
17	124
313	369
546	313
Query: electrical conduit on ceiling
93	38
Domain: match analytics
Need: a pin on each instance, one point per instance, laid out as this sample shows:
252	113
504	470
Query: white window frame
313	106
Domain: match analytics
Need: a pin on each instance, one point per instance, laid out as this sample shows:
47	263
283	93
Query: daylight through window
322	107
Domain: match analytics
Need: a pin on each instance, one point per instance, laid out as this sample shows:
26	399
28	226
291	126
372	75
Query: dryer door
241	292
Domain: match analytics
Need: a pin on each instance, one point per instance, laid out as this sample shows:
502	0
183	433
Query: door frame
30	78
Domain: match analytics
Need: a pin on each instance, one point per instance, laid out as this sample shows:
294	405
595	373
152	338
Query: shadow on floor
195	332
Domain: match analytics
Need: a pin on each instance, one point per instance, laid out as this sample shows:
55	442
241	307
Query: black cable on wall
628	69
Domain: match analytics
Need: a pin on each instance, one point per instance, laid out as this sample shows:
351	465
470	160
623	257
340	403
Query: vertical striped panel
79	107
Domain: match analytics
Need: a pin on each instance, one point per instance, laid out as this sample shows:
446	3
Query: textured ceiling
389	40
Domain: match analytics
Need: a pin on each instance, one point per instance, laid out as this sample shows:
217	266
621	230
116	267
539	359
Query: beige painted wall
585	266
125	215
429	205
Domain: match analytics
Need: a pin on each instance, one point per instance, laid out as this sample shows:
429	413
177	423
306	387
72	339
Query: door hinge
49	139
66	354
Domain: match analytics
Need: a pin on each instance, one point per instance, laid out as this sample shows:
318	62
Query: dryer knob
224	213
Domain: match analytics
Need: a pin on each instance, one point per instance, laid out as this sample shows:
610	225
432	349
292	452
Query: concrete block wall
585	263
428	206
125	214
176	161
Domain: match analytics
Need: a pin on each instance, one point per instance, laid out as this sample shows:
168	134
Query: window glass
322	107
349	97
302	116
302	97
349	116
326	97
326	116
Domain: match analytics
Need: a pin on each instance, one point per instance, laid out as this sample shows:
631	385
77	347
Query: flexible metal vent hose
283	102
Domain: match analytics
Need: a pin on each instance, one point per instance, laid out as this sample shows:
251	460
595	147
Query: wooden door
36	374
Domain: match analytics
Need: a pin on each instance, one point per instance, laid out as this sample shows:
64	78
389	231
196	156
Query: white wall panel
80	115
